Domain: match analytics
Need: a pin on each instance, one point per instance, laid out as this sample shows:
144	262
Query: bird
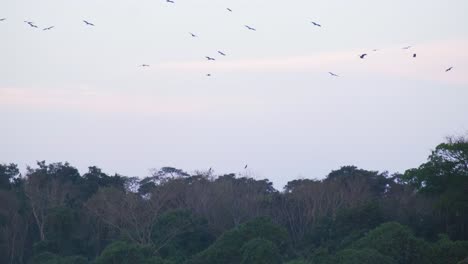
88	23
229	9
144	65
334	75
414	55
221	53
210	58
316	24
170	1
362	56
407	47
208	75
2	19
449	69
31	24
209	171
250	28
246	166
49	28
193	35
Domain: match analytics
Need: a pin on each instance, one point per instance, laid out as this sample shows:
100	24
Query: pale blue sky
75	93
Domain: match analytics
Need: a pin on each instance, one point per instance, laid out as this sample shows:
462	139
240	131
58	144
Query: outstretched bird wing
88	23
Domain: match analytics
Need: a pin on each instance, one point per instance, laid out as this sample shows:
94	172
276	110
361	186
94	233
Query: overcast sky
75	93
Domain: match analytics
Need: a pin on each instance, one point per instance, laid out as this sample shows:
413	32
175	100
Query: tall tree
445	176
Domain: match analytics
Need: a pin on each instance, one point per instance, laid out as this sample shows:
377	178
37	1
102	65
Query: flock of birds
221	53
210	58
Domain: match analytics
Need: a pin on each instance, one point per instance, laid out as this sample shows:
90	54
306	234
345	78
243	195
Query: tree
14	227
306	203
445	177
95	179
448	251
122	252
362	256
8	173
396	241
132	214
48	187
349	225
227	201
260	251
227	248
179	234
50	258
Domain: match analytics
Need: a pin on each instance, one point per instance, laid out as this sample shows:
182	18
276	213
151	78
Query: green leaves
396	241
229	248
121	252
260	251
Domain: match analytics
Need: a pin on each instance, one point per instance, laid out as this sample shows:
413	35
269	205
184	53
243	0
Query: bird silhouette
449	69
88	23
49	28
208	75
210	58
250	28
144	65
407	47
362	56
414	55
170	1
334	75
316	24
229	9
2	19
193	35
31	24
246	166
221	53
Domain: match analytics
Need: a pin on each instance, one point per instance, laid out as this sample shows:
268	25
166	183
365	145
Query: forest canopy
52	214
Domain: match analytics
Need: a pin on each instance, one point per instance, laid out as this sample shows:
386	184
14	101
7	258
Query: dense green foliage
54	215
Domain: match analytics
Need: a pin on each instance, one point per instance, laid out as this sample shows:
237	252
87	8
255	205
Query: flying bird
229	9
88	23
221	53
2	19
250	28
49	28
31	24
193	35
316	24
362	56
209	75
210	58
246	166
449	69
334	75
414	55
144	65
407	47
170	1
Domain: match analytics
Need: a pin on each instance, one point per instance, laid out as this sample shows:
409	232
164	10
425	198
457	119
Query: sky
76	93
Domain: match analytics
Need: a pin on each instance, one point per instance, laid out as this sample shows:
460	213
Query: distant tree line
54	215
